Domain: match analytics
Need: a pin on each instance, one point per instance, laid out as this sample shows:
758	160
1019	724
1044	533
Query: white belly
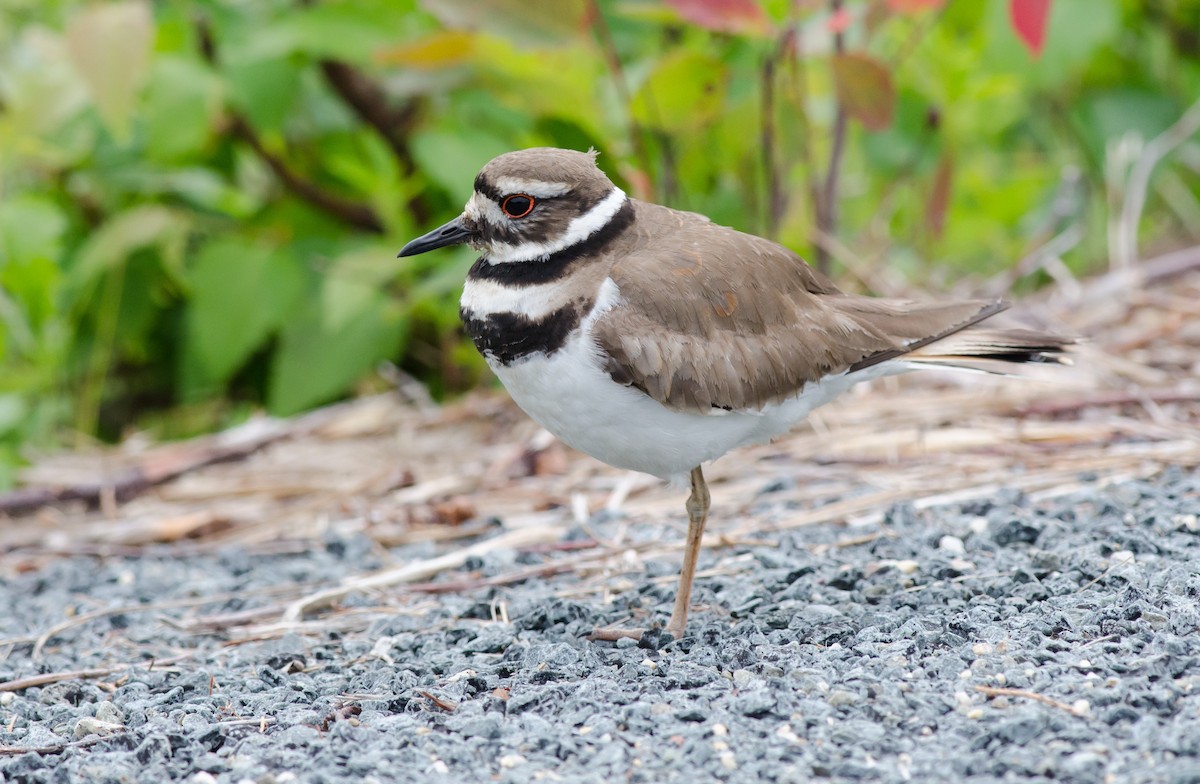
570	395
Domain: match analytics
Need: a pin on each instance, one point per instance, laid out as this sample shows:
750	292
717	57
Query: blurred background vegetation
201	200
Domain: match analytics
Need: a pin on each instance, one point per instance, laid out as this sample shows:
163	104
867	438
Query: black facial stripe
482	186
529	273
510	336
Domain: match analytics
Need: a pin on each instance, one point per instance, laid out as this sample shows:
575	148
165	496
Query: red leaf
724	16
839	21
1029	21
864	88
913	6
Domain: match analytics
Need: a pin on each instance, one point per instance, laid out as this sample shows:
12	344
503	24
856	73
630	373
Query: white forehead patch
481	208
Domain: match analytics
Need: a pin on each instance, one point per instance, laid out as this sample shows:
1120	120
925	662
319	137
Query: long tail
991	349
950	334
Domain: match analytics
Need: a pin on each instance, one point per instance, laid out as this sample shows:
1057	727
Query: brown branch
467	585
370	102
357	215
353	213
608	48
161	466
1152	271
58	748
799	75
991	691
827	209
20	684
776	201
441	702
166	463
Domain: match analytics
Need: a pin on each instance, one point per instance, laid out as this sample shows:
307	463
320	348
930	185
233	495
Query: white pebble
952	544
90	726
511	760
787	733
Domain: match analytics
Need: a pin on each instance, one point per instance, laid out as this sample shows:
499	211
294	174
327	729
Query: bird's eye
517	205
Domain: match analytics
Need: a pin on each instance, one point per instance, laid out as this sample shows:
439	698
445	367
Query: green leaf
452	159
31	227
864	88
41	88
1110	114
910	141
138	227
343	31
241	293
316	363
354	283
109	44
1075	30
685	92
182	102
263	90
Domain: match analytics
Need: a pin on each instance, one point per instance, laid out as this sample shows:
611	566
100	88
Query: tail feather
952	335
990	349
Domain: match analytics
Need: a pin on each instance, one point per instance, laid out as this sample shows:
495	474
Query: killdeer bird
656	340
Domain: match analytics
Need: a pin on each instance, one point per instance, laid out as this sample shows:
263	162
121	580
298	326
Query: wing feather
709	318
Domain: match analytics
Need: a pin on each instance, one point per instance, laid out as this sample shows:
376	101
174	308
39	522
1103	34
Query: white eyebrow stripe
578	230
535	188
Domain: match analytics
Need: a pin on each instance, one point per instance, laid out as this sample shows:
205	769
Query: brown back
711	317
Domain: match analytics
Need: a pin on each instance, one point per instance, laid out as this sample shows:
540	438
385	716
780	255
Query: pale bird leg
697	508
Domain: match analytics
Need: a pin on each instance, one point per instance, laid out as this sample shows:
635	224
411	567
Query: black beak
453	233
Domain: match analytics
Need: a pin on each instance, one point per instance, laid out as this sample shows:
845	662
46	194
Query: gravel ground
840	654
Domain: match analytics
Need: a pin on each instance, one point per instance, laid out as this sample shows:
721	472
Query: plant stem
608	48
827	206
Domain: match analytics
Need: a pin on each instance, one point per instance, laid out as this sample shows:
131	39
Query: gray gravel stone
845	663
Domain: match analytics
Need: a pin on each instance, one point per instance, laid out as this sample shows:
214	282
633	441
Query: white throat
578	230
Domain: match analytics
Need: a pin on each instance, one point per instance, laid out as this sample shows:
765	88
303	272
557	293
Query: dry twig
21	684
992	691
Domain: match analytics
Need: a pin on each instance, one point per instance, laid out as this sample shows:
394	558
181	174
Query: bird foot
646	638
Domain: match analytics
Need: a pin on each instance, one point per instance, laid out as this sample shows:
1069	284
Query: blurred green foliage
201	200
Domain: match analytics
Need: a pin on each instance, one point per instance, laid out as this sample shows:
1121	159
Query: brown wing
710	317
